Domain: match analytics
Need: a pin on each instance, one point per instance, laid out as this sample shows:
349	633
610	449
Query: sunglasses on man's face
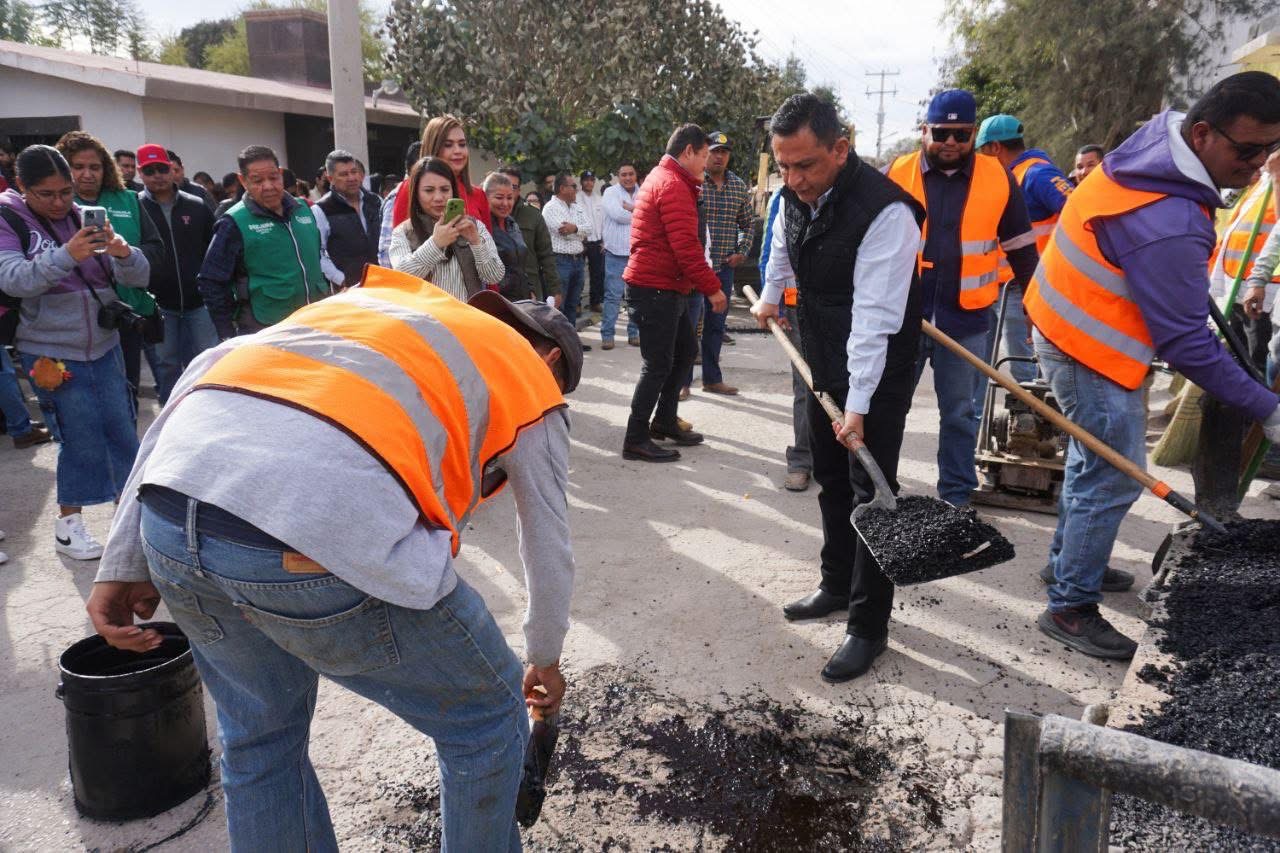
159	169
961	134
1247	151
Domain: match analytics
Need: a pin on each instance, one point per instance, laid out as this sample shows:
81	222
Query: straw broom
1178	443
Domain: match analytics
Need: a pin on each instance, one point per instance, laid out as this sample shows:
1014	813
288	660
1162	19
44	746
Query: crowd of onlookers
109	257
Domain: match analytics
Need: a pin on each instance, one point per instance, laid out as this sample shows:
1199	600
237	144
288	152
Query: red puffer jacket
665	250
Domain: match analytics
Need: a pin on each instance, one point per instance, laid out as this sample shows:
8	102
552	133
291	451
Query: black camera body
116	315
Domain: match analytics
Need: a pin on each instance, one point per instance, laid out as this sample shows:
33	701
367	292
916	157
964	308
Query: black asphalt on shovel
917	538
545	731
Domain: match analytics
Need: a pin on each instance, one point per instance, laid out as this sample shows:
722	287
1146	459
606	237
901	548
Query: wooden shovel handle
853	442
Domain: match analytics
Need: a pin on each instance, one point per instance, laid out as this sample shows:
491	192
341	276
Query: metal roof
178	83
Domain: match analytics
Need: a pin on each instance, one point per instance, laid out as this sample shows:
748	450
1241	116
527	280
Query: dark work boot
1113	580
853	658
647	451
682	437
1085	630
815	606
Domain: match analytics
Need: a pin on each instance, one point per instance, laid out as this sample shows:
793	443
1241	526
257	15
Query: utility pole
881	92
346	73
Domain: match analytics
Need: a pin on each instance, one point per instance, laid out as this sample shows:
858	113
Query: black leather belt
171	505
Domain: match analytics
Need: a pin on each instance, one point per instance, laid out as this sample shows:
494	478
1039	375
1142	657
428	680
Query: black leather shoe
815	606
649	452
1113	580
682	437
853	658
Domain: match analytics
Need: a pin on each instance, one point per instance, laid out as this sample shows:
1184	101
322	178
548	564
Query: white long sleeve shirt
592	205
881	282
555	212
617	219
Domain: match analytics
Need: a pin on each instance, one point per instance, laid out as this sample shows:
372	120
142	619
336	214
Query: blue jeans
956	382
697	312
13	406
261	637
186	335
569	268
713	331
95	417
614	291
1095	496
1014	342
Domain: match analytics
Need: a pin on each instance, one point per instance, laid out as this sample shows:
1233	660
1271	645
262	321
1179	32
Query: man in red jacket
668	262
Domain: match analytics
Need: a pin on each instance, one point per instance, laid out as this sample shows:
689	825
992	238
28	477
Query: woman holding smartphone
50	261
445	139
441	248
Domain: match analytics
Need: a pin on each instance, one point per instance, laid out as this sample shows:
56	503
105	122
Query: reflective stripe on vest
1236	238
979	224
431	387
1081	301
1042	229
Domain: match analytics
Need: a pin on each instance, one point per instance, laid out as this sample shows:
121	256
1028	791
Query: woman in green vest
96	181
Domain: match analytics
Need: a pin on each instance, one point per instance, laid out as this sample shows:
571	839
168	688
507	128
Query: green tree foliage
587	85
109	27
1082	71
19	22
171	50
199	37
231	55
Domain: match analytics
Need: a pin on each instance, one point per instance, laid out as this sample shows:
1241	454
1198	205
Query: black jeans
667	349
595	272
847	565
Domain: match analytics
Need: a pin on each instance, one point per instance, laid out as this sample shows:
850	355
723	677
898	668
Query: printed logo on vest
305	220
262	227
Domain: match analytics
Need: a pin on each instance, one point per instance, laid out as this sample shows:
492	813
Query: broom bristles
1178	442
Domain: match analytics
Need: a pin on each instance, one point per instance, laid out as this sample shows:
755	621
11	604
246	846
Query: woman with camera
67	338
440	242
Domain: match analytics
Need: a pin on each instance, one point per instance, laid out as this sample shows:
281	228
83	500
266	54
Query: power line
882	91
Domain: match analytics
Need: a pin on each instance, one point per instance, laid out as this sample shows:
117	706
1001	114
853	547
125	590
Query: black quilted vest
823	250
350	246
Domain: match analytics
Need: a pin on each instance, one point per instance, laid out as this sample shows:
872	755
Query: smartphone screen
95	217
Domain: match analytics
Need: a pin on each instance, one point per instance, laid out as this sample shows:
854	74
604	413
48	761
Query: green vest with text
125	215
282	261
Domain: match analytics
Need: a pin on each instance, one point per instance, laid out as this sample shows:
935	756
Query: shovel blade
537	760
927	539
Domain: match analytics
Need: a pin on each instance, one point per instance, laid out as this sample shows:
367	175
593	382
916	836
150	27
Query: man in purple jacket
1162	253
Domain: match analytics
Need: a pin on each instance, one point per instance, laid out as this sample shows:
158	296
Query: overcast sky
839	42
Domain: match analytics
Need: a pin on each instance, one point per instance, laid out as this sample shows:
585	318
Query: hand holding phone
96	218
454	208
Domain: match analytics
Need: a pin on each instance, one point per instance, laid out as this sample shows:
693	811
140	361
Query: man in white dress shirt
570	228
846	236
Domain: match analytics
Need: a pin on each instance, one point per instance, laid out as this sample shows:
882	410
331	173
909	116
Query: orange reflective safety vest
1079	300
1042	228
979	224
791	297
433	388
1235	239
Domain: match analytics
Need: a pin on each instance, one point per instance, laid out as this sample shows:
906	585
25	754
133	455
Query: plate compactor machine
1020	455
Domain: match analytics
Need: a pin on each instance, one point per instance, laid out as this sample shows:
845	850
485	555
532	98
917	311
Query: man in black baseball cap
545	327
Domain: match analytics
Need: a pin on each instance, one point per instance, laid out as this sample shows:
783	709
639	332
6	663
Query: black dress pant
847	565
595	272
667	350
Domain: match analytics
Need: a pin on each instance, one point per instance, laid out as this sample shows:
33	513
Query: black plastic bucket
135	726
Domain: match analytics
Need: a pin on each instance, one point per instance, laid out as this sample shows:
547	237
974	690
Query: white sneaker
72	539
4	558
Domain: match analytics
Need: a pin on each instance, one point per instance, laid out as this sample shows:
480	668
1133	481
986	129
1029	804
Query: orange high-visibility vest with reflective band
1233	242
1042	228
979	224
433	388
1079	300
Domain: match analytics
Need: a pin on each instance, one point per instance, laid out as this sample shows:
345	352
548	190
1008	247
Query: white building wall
208	138
113	117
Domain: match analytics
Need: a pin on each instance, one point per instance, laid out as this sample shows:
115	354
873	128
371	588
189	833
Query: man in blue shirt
1045	189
